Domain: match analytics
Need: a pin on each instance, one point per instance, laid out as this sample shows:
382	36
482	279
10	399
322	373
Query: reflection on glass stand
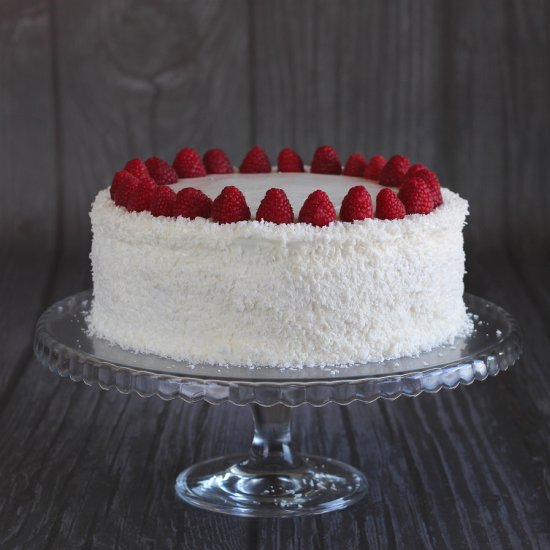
272	480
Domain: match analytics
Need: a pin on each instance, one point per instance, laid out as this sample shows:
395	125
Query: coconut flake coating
255	293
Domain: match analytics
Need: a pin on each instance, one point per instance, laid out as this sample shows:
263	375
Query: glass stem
271	445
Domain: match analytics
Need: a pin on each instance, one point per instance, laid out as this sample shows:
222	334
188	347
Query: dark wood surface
462	86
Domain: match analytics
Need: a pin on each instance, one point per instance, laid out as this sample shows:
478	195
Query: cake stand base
316	486
272	481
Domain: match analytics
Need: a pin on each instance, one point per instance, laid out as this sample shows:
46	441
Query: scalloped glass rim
62	344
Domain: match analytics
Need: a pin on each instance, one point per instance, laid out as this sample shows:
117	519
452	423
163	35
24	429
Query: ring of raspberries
146	186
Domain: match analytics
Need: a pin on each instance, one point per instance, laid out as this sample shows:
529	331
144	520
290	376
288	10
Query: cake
278	266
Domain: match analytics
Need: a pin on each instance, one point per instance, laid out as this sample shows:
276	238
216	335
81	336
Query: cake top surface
318	195
297	186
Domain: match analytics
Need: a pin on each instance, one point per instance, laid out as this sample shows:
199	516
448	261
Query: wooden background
462	86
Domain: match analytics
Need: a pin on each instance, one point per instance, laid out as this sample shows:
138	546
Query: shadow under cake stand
272	480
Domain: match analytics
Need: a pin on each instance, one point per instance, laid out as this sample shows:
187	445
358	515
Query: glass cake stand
272	480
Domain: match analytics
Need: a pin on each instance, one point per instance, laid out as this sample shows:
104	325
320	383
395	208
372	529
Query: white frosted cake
277	294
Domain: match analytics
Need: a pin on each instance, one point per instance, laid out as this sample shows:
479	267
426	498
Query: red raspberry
192	203
388	206
123	183
149	180
416	195
255	162
188	164
394	170
326	161
355	165
161	171
275	207
289	161
413	168
162	201
217	162
137	168
420	171
357	205
140	199
317	210
230	206
374	167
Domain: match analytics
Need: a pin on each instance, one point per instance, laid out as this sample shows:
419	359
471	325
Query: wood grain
461	86
498	124
372	86
28	230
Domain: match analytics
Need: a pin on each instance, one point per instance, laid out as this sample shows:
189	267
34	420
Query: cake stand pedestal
272	480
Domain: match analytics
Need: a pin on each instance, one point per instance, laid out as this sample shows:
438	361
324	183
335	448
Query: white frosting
255	293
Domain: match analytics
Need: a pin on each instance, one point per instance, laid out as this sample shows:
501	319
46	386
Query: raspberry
137	168
122	185
217	162
289	161
162	201
230	206
255	162
161	171
317	210
275	207
355	165
420	171
357	205
326	161
140	199
188	164
388	206
192	203
416	196
149	180
374	167
413	168
394	170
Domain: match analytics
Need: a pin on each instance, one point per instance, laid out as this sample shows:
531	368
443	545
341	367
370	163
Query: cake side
256	293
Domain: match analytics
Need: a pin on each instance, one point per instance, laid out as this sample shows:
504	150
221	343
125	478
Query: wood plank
358	75
28	196
497	127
